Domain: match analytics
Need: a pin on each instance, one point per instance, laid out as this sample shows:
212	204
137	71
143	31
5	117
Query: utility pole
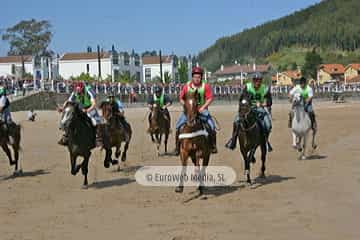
161	74
99	62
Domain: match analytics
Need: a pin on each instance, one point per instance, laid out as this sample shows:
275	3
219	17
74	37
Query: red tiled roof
242	69
84	56
355	66
15	59
156	59
354	80
333	68
293	74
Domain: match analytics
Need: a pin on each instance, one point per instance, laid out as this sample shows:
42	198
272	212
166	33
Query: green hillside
332	26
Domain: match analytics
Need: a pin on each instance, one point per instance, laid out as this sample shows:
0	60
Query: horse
159	125
14	142
250	136
116	132
194	142
300	126
81	134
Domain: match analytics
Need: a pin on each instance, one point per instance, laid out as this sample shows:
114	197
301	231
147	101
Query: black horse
81	134
13	141
250	135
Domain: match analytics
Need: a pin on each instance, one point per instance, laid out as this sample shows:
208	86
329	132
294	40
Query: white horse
301	125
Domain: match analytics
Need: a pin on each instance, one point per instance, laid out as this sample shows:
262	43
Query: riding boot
149	120
290	119
231	144
313	121
213	141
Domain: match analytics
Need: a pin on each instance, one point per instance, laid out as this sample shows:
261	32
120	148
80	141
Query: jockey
261	100
119	110
5	115
86	98
206	97
307	93
161	99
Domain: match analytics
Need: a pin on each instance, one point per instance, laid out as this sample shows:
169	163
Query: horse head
71	110
244	105
155	116
191	107
107	110
298	100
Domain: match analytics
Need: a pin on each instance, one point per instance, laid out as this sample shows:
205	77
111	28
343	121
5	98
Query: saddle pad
194	134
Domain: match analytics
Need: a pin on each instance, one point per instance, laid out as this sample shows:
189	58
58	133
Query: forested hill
330	25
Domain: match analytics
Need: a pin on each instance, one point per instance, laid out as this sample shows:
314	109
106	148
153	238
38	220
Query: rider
206	97
261	100
5	115
119	110
86	98
161	99
307	94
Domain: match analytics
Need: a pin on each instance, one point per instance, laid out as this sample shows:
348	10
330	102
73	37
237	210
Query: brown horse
14	143
193	141
118	131
159	125
250	136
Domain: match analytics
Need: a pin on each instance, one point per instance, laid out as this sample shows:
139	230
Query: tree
29	37
167	77
293	66
312	61
183	71
125	77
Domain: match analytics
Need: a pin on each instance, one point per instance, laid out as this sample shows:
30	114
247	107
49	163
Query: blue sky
183	26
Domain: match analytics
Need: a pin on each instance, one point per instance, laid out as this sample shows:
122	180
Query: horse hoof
179	189
300	149
106	164
314	146
201	190
253	160
262	175
114	162
294	147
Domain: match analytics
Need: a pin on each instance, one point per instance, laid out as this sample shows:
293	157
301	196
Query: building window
138	76
87	68
147	74
137	61
13	69
126	59
115	59
116	74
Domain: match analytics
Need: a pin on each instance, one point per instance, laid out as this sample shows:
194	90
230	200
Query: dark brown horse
14	142
194	141
250	136
81	134
118	131
159	125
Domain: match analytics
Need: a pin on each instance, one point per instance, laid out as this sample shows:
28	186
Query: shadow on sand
111	183
260	182
34	173
315	157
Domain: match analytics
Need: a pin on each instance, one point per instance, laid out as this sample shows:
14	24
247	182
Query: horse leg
85	169
303	153
16	156
159	143
295	139
8	153
263	159
313	144
152	137
183	157
74	168
166	141
247	168
108	160
202	174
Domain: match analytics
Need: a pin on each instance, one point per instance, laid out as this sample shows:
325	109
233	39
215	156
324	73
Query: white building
42	68
125	63
151	67
74	64
12	65
239	72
